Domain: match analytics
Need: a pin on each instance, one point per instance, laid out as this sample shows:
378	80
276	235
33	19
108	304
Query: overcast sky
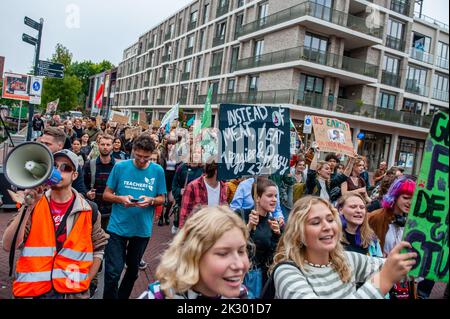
98	29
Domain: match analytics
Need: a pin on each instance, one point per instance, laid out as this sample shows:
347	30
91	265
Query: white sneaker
174	230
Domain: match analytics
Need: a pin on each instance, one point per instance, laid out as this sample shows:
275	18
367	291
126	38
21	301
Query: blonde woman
206	259
355	184
313	263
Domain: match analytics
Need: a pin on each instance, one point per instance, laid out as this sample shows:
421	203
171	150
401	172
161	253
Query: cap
68	154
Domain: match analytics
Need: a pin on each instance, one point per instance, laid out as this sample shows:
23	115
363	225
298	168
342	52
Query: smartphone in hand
134	200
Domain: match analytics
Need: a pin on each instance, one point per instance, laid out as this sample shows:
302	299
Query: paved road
159	241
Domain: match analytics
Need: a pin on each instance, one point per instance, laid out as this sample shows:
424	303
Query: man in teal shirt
134	187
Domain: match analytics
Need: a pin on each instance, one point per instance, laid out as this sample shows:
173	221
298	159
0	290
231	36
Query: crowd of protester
324	229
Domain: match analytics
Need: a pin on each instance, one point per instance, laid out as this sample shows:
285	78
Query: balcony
420	55
314	10
146	83
150	45
165	58
218	41
188	51
223	9
440	95
215	70
395	43
191	25
435	22
144	102
413	87
185	76
167	36
442	63
160	101
148	64
391	79
307	54
318	101
402	7
162	80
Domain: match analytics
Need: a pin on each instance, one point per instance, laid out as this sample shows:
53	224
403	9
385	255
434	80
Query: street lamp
173	68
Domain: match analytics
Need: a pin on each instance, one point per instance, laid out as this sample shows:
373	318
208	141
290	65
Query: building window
442	55
231	85
391	64
190	41
409	154
387	100
194	16
440	87
202	40
206	13
234	58
315	48
263	12
436	108
421	42
412	106
253	83
322	9
220	30
240	3
258	48
199	67
239	23
416	80
395	35
187	66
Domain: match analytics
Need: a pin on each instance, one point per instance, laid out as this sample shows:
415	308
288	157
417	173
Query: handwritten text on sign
255	140
427	225
332	135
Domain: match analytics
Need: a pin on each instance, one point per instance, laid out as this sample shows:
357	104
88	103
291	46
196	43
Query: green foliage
67	90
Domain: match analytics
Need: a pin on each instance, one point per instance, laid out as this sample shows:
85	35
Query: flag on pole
99	96
292	124
170	116
191	121
52	106
207	112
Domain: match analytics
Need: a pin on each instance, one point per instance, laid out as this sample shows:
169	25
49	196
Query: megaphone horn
30	165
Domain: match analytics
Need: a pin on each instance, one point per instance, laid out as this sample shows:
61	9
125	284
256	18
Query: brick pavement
159	241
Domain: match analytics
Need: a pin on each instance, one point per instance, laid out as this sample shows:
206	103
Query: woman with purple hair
389	222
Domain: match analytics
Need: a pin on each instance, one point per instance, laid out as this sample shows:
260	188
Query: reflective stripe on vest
33	276
76	255
72	275
38	251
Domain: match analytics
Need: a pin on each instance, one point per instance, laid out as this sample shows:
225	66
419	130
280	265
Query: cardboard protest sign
254	140
333	135
427	225
119	118
156	123
143	120
98	120
132	132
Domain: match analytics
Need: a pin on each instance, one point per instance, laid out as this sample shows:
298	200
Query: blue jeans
121	250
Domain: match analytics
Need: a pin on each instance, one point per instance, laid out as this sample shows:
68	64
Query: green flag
207	112
292	124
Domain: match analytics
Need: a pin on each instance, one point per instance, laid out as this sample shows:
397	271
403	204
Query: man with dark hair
205	190
333	161
54	138
91	129
134	187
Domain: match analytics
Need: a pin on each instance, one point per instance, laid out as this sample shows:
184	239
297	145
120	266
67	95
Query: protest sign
254	140
427	225
98	120
143	120
156	123
293	147
332	135
119	118
132	132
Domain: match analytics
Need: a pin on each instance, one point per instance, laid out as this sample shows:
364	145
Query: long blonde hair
179	269
367	234
291	245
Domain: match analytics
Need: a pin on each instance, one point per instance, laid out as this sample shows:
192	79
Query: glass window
409	154
240	3
194	16
440	82
436	108
202	40
217	58
387	100
416	76
259	48
234	58
412	106
253	83
190	41
220	30
391	64
199	67
230	86
263	12
239	22
187	66
206	13
322	9
395	29
421	42
442	50
315	42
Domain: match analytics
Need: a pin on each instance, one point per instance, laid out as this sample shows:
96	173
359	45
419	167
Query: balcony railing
442	62
183	99
148	64
395	43
310	8
223	9
218	41
391	79
440	95
185	76
318	101
413	87
214	70
165	58
162	80
421	55
146	83
423	17
401	6
160	101
167	36
310	55
188	51
144	102
191	25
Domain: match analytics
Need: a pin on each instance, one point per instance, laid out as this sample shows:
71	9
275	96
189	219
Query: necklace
318	265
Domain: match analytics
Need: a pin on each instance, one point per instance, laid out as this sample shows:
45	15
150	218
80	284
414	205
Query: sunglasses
65	168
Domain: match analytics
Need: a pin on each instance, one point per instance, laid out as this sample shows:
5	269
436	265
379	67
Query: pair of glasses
66	168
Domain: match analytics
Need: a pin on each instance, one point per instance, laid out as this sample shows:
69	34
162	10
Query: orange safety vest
40	267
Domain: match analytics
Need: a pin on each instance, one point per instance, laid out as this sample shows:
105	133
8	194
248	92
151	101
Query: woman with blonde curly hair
310	261
206	259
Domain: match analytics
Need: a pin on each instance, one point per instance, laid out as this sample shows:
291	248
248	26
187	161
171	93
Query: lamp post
173	68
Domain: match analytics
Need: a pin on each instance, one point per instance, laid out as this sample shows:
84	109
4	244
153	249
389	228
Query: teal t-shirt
126	179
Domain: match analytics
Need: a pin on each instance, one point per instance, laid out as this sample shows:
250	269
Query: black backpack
268	291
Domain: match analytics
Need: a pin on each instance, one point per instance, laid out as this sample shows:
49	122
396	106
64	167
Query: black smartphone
134	200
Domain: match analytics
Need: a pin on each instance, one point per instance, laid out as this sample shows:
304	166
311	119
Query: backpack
268	291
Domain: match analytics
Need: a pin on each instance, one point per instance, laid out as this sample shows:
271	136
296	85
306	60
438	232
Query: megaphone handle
12	250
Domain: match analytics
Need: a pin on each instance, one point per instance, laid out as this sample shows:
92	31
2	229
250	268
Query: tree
62	55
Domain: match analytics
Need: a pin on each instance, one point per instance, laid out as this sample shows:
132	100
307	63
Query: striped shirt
325	283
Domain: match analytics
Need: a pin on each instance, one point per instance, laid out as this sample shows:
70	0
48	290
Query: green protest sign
427	225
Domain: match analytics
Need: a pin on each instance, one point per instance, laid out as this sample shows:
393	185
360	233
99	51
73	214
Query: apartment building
378	65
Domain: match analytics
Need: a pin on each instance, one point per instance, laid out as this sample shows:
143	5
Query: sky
98	30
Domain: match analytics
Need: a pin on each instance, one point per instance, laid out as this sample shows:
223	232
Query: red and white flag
99	96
